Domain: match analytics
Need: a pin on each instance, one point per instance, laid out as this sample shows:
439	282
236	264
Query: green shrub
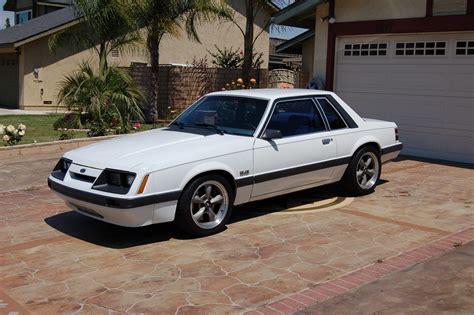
67	135
68	121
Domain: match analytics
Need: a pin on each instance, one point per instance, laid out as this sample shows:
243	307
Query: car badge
83	170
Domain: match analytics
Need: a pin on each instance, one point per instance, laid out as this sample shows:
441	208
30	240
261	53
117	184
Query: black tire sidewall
350	179
183	214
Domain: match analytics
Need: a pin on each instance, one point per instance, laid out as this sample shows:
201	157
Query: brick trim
289	304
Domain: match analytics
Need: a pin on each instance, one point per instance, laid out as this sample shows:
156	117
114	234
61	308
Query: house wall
320	45
40	93
24	4
365	10
308	57
359	10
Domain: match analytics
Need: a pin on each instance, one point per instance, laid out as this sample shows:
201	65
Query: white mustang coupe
227	149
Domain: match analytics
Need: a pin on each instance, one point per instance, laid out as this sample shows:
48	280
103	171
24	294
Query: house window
421	49
23	16
464	48
115	53
374	49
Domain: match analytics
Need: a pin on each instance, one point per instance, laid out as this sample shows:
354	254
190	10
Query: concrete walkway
7	111
442	285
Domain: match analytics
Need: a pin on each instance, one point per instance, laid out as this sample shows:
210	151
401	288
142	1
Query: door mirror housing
270	134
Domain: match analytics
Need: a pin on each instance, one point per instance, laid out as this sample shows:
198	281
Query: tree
252	10
110	96
7	23
106	26
167	18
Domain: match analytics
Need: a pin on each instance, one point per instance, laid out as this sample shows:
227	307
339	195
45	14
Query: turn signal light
397	135
142	186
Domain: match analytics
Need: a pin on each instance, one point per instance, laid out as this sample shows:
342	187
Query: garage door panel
436	112
431	98
456	82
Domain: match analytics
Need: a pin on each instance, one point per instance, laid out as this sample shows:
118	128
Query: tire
363	172
202	195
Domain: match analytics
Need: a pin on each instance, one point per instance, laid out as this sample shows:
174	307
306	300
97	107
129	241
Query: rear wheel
205	206
363	172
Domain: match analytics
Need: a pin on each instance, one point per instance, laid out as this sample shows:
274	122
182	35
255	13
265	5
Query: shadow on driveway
108	235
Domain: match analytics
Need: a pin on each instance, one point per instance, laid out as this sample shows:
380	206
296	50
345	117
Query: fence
180	86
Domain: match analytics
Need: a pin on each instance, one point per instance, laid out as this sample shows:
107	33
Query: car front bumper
129	212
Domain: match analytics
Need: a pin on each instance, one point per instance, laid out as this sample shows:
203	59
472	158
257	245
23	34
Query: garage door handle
327	141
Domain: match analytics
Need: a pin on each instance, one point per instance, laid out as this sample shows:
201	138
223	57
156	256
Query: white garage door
423	82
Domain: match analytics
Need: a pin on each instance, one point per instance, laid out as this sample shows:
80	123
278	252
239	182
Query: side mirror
270	134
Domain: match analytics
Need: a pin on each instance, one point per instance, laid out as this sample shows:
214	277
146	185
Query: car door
297	159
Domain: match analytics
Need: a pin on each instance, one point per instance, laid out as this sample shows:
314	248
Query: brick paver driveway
53	260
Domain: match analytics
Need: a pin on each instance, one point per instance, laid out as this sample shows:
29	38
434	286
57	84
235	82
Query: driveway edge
289	304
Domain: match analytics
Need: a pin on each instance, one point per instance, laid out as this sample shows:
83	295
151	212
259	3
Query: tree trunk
102	58
248	42
154	48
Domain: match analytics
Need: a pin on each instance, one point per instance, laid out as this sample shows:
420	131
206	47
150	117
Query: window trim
283	100
337	111
30	11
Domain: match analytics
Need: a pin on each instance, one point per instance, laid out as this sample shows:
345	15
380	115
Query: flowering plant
239	85
11	135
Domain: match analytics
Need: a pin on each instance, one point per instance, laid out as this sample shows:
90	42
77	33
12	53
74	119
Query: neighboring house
287	60
30	73
409	61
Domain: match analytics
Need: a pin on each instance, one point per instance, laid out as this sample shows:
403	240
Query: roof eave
295	41
46	33
292	12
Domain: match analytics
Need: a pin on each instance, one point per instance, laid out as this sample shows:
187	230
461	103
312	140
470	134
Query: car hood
158	149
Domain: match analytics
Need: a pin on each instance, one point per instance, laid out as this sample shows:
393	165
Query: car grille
81	177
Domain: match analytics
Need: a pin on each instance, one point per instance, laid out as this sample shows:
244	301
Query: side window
334	119
294	118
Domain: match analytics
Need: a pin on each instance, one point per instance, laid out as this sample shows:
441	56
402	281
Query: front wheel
363	172
205	206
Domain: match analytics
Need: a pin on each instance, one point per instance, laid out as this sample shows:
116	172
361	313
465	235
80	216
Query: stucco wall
320	44
308	56
364	10
51	70
24	4
34	91
359	10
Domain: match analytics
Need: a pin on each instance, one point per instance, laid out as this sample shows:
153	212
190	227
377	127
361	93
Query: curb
48	147
289	304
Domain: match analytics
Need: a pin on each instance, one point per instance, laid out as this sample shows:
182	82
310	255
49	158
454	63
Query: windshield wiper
220	131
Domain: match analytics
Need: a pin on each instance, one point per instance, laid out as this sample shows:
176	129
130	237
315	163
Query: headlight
114	181
61	168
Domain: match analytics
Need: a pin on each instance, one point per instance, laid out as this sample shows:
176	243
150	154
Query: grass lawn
39	128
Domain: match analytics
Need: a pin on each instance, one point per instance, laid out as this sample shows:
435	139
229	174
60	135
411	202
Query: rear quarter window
334	118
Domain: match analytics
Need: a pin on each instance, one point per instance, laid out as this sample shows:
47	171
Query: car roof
271	94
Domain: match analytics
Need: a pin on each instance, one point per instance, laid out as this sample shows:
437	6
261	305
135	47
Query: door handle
327	141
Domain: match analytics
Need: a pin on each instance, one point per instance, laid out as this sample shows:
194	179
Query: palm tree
252	10
168	17
110	95
106	26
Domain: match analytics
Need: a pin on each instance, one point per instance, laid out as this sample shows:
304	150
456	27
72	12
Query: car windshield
225	114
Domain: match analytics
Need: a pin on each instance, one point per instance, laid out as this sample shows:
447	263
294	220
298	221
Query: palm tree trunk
102	58
248	42
154	48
